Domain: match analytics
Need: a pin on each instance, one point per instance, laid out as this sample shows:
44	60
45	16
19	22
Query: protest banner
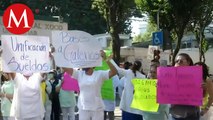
25	53
145	95
69	83
76	49
180	85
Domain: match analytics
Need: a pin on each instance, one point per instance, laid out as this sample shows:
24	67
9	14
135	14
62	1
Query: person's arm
119	70
113	70
9	96
58	86
13	75
48	87
51	51
209	90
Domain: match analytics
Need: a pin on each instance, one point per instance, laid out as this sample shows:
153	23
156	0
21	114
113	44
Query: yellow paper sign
145	95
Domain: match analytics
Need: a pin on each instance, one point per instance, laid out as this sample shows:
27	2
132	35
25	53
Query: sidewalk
117	109
117	113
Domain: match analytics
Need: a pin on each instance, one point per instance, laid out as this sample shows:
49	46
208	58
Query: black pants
109	114
56	109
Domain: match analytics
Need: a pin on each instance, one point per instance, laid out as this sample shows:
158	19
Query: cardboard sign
76	49
180	85
145	95
69	83
25	53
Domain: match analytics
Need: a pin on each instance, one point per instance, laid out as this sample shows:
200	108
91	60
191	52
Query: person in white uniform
129	113
90	103
6	95
27	100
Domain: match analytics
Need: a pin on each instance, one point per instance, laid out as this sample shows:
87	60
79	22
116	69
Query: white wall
132	54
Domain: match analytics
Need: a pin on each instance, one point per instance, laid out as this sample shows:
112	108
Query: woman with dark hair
184	112
127	112
162	112
207	90
90	103
127	65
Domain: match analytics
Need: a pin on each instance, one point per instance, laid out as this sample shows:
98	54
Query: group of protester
21	94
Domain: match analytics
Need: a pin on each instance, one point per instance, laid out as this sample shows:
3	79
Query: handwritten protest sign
145	95
179	85
69	83
76	49
25	53
107	90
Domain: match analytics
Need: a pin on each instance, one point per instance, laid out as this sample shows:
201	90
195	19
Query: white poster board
25	53
76	49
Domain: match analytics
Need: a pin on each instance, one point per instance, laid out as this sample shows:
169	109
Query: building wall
132	54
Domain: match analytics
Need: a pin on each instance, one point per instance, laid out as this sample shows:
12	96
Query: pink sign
180	85
69	83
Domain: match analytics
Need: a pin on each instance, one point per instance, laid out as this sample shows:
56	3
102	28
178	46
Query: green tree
174	16
202	17
147	36
78	14
117	14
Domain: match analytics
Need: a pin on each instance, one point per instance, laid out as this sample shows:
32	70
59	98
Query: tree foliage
202	17
77	13
117	14
174	15
147	36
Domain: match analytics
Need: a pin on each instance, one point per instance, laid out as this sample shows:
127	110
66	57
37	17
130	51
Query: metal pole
158	28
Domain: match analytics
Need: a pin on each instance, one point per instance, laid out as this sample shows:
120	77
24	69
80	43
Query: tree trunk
200	46
113	25
116	47
177	48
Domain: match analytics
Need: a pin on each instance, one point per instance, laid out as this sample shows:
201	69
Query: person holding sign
127	112
162	112
67	105
207	91
26	58
27	103
90	103
184	112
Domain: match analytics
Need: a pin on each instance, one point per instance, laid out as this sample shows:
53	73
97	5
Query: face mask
50	76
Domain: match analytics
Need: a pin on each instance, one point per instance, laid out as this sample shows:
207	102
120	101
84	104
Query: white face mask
27	74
